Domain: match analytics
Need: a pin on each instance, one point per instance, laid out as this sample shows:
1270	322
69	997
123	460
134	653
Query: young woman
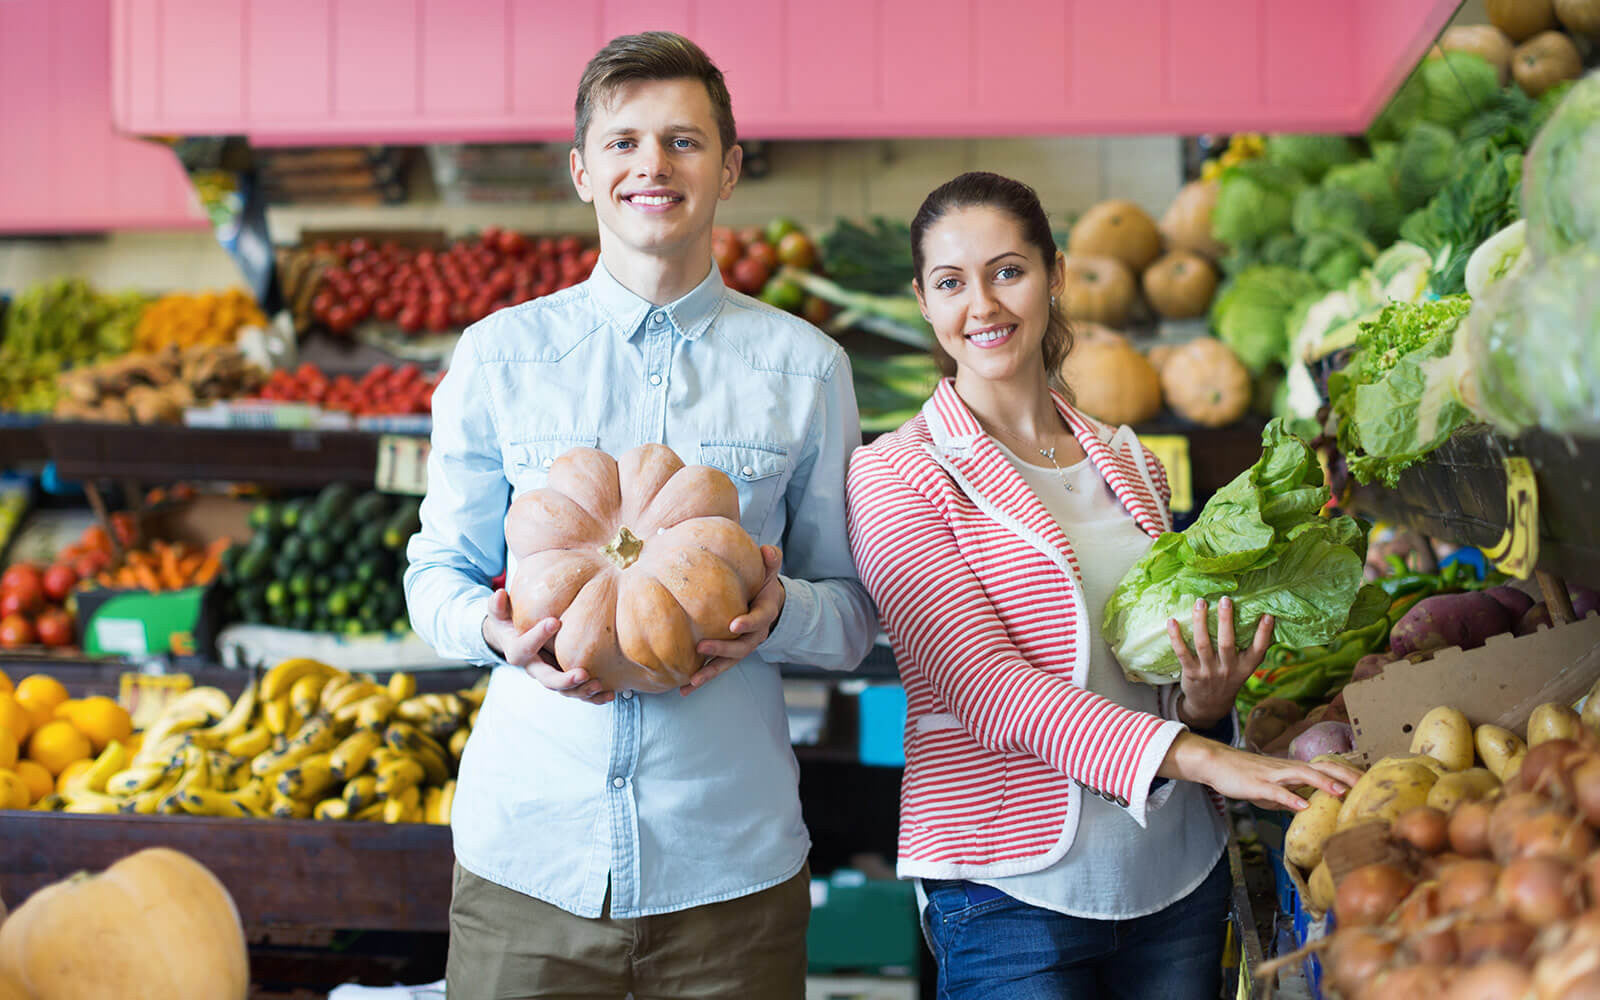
1053	810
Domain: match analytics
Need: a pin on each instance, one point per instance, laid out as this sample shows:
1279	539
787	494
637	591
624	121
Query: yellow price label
1173	450
145	695
1517	551
402	464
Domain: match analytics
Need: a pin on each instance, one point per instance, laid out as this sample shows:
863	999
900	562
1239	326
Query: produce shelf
281	873
20	442
1459	495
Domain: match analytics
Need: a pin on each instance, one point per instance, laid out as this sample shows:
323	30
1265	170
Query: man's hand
752	627
529	650
1211	678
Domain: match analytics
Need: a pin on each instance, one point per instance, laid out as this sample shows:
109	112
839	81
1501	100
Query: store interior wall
813	182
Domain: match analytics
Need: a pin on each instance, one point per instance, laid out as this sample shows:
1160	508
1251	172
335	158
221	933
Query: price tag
402	464
1173	450
1518	548
146	695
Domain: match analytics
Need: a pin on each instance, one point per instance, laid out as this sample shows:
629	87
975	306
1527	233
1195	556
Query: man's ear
580	176
732	162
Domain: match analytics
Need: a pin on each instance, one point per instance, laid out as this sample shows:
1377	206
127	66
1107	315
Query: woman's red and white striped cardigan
977	588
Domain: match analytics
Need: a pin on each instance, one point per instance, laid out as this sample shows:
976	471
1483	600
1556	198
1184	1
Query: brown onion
1586	789
1564	969
1552	834
1369	894
1591	871
1540	891
1545	769
1423	827
1417	982
1510	815
1492	979
1468	887
1354	956
1481	939
1469	829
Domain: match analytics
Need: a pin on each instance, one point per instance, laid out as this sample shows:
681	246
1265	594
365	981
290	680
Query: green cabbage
1371	180
1261	541
1456	87
1309	155
1255	199
1425	161
1561	175
1251	315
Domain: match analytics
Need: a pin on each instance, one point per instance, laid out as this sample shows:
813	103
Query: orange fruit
57	744
38	780
40	694
70	772
99	718
13	791
13	717
5	682
8	749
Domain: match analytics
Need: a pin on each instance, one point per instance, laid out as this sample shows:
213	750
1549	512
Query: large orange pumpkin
154	926
640	557
1111	381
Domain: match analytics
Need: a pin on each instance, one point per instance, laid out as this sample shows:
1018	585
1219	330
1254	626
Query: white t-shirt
1114	869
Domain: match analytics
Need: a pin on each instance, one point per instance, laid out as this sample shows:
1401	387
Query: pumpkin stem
624	549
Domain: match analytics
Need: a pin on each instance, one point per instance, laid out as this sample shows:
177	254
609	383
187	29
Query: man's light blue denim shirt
675	801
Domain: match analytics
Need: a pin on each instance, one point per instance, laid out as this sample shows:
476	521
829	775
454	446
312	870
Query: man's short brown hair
651	55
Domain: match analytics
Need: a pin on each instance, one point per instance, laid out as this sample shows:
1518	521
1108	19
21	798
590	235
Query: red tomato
749	274
59	581
23	575
410	318
544	246
55	628
21	602
406	374
726	250
87	566
512	243
15	631
360	308
438	319
387	308
763	252
339	319
588	259
321	303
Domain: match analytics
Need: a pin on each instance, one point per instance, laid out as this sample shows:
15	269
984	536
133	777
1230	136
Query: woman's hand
1211	678
530	650
1268	782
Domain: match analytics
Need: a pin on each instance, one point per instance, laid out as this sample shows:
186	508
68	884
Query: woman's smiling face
986	291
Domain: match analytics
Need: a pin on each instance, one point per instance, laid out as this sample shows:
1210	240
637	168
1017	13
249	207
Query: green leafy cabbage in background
1478	201
1251	314
1311	156
1561	176
1255	200
1261	541
1456	87
1529	351
1371	180
1425	160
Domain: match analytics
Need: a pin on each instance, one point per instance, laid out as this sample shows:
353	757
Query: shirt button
618	782
655	379
1122	802
548	462
658	318
626	695
747	472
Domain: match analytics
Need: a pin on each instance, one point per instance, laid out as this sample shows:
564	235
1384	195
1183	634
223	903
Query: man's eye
622	144
683	143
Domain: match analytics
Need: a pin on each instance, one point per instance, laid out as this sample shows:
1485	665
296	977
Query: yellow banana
372	713
408	739
399	775
168	728
334	685
415	710
402	685
472	720
284	807
473	696
303	696
381	756
146	803
278	680
206	802
307	778
206	700
447	799
348	694
458	742
350	756
233	723
254	795
276	714
49	803
138	778
250	742
227	771
331	809
196	770
268	764
85	801
430	803
400	807
361	792
112	759
370	814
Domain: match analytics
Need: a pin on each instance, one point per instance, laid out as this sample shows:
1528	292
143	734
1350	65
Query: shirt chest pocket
527	463
759	472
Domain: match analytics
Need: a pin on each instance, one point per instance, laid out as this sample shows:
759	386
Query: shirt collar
688	316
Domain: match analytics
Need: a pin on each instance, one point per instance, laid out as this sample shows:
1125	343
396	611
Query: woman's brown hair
1021	202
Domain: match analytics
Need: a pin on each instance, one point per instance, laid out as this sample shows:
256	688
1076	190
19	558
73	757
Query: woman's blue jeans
992	947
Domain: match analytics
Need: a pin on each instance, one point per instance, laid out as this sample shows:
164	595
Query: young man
651	844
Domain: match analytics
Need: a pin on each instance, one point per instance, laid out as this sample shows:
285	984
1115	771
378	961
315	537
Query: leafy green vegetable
1251	315
1479	199
1561	182
1425	161
1499	257
874	258
1255	200
1261	541
1456	87
1309	155
1371	180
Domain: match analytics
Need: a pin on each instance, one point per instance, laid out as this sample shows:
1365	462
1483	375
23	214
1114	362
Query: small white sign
402	464
121	635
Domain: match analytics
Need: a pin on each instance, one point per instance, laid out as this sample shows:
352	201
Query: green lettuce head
1261	541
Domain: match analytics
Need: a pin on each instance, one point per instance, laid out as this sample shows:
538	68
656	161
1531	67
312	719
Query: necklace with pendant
1050	456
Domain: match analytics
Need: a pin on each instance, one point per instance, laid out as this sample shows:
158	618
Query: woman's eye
1008	272
945	284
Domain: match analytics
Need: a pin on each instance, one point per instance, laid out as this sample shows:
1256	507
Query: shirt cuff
479	650
1147	794
794	621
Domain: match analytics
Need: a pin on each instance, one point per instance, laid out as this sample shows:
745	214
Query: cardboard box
137	622
1501	682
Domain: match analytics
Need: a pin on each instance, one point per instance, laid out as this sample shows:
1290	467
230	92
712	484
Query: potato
1370	665
1553	721
1268	720
1591	709
1320	888
1438	769
1496	746
1513	600
1385	792
1310	829
1442	620
1445	735
1323	738
1471	785
1513	768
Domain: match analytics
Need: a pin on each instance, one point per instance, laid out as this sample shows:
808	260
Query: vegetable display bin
861	924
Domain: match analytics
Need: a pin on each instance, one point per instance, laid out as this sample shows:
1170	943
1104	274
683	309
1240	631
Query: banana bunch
306	741
1242	146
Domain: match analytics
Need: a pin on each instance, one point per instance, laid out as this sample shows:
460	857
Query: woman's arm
1264	781
936	608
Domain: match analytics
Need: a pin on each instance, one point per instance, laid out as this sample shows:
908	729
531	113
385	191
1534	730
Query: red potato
1464	620
1370	665
1280	747
1515	602
1268	721
1321	738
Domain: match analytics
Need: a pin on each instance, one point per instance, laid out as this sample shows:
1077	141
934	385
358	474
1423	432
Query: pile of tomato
383	391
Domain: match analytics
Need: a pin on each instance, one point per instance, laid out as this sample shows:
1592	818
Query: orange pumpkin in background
640	557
